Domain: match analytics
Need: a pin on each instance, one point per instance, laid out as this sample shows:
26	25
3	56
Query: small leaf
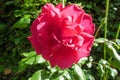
39	59
112	72
78	73
30	59
17	41
112	52
67	75
9	2
89	64
115	64
18	13
90	77
29	54
23	22
36	76
2	68
102	61
56	74
2	26
100	40
82	61
100	69
118	41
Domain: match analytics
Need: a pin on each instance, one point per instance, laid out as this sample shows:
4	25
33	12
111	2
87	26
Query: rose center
74	42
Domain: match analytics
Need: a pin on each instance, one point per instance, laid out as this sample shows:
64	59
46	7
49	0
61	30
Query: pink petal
63	57
51	10
35	43
85	49
67	32
71	10
86	22
60	7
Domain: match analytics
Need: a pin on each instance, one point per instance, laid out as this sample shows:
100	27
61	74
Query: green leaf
100	69
118	42
67	75
115	64
89	64
112	72
45	75
2	68
89	77
2	26
102	61
112	52
29	54
22	66
23	22
78	73
36	76
82	61
30	59
100	40
18	13
9	2
104	66
56	74
17	40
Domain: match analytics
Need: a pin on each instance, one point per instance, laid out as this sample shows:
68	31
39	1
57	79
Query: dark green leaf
2	68
116	64
56	74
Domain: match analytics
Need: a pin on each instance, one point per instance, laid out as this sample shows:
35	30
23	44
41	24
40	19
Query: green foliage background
16	17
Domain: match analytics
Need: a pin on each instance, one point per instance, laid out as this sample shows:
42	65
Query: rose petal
85	49
35	44
63	57
67	32
71	10
86	22
60	7
51	10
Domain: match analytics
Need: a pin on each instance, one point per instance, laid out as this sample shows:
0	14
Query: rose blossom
62	35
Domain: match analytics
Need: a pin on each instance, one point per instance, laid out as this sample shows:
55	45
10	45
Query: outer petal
86	22
85	49
71	10
63	57
51	11
38	48
60	7
35	43
39	38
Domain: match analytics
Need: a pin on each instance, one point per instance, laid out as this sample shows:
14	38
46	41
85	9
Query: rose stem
105	27
118	31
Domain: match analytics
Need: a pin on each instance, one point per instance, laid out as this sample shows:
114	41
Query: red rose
62	35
